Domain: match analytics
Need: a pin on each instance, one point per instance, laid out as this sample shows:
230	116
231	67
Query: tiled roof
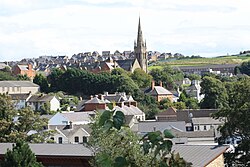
199	155
17	84
53	149
192	134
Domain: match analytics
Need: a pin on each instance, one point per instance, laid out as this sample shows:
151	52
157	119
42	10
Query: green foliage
45	108
23	77
20	156
42	82
118	146
5	75
168	76
141	78
194	77
215	93
237	114
245	68
15	124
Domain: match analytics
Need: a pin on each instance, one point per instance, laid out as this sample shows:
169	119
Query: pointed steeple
140	50
139	35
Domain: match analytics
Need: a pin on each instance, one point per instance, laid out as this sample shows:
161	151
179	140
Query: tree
23	77
237	122
215	93
42	82
20	156
194	77
141	78
18	124
245	68
116	145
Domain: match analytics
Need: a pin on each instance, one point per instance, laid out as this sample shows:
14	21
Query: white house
77	118
206	124
73	134
36	101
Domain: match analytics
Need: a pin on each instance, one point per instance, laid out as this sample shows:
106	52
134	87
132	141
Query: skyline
43	27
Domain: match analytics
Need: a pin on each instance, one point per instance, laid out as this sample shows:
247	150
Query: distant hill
232	59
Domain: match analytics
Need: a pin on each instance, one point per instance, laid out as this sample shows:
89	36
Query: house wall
21	90
54	104
160	97
91	107
206	127
80	133
218	162
56	138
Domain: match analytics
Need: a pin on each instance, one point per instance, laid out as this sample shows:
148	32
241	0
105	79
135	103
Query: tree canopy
22	124
237	114
215	93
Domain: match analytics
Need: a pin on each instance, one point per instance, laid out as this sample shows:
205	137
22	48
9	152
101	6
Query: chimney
80	98
91	97
160	83
29	66
153	85
106	93
154	128
70	125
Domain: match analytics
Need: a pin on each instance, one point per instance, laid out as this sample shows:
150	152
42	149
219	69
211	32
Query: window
76	139
13	89
84	139
198	127
60	140
205	127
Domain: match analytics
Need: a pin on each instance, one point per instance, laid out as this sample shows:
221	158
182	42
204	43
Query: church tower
140	50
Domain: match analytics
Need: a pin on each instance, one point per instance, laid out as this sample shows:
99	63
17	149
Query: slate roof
65	129
45	149
169	111
183	115
192	134
17	84
206	120
95	100
78	116
132	110
150	126
126	64
158	90
20	96
41	98
23	67
199	155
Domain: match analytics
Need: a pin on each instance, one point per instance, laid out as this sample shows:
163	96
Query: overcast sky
31	28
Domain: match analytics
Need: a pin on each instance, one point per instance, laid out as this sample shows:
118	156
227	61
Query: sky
32	28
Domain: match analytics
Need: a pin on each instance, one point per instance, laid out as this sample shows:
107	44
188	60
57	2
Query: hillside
236	59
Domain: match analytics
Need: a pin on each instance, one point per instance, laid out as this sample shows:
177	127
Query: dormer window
76	139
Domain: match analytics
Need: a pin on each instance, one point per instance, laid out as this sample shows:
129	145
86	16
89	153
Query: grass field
203	61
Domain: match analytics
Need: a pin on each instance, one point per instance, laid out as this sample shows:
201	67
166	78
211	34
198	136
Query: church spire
139	35
140	49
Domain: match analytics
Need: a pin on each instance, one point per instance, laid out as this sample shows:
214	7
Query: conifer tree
20	156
